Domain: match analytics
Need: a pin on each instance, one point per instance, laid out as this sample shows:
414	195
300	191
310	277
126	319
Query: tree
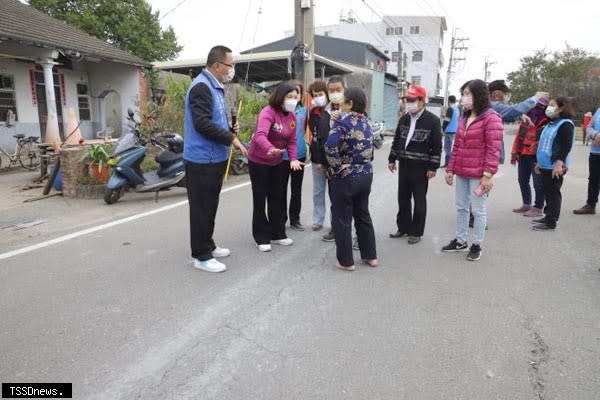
130	25
562	73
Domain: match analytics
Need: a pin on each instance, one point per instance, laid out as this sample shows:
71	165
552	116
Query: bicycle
26	152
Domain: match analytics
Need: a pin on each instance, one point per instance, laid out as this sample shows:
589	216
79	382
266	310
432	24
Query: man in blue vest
450	127
208	136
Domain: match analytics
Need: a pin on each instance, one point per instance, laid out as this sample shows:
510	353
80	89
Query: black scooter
128	155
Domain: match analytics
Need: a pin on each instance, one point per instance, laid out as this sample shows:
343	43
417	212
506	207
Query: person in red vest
523	152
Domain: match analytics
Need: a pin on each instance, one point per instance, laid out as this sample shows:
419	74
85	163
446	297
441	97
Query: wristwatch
488	175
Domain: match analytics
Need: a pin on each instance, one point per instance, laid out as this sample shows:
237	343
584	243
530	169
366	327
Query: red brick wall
144	79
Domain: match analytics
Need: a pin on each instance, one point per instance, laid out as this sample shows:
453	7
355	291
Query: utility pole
457	44
303	53
487	73
400	75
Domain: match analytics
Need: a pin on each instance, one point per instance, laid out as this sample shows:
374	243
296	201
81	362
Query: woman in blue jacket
552	158
297	176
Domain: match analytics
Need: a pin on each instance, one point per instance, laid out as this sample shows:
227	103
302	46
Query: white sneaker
264	247
220	252
283	242
211	265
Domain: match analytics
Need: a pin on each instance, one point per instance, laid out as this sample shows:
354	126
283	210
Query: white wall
123	79
428	40
27	113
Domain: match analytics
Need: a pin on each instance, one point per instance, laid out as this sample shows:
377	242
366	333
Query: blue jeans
464	199
319	192
526	164
448	141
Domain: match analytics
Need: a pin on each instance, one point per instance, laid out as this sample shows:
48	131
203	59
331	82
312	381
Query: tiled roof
22	23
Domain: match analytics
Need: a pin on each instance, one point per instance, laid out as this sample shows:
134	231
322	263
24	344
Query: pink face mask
467	102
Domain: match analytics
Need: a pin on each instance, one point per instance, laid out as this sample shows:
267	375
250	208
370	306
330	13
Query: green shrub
252	103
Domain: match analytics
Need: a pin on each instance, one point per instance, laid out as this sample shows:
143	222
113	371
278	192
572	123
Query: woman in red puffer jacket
474	161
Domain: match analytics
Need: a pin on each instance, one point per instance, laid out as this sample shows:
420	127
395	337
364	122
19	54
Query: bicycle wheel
29	156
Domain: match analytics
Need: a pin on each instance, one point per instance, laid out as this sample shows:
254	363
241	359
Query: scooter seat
168	157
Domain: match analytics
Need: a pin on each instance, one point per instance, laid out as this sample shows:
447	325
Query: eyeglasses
229	65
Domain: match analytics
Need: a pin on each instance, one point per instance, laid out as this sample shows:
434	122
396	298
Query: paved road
121	314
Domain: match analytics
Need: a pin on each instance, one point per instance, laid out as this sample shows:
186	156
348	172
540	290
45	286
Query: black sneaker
328	237
539	220
474	252
543	227
454	246
297	226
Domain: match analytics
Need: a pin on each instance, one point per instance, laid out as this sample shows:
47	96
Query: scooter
378	129
128	155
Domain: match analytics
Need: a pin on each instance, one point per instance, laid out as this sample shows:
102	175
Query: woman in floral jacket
349	151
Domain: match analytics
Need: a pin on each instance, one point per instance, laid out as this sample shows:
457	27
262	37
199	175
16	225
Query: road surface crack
539	357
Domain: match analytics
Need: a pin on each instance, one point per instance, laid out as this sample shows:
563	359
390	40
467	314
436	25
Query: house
421	39
38	52
349	51
366	68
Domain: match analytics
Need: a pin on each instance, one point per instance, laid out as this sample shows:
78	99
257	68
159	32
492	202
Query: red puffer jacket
477	148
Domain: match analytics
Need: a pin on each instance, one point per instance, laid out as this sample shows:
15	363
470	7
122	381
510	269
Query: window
417	56
415	79
414	30
7	96
391	30
83	102
394	56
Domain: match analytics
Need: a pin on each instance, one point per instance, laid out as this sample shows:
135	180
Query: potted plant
98	156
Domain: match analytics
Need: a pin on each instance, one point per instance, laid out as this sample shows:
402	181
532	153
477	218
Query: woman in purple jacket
474	161
275	133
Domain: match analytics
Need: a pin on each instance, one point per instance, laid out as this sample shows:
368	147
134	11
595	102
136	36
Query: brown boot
587	209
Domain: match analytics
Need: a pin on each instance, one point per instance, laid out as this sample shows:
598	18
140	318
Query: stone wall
72	169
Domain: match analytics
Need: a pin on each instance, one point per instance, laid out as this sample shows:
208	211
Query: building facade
48	67
421	39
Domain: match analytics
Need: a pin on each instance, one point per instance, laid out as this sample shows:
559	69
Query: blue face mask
550	111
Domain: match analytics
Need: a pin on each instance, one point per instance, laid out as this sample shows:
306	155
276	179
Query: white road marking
87	231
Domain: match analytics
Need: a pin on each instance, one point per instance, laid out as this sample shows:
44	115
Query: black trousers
551	187
593	180
412	188
350	198
269	185
296	178
204	182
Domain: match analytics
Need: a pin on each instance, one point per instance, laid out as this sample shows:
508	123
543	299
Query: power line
172	9
245	23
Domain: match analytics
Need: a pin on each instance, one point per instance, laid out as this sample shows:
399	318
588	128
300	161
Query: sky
503	31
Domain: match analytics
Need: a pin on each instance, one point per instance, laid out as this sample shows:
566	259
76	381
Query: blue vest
197	147
300	128
453	124
544	150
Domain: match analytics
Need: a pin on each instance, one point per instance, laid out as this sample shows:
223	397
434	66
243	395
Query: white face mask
412	107
289	105
230	75
336	97
320	101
